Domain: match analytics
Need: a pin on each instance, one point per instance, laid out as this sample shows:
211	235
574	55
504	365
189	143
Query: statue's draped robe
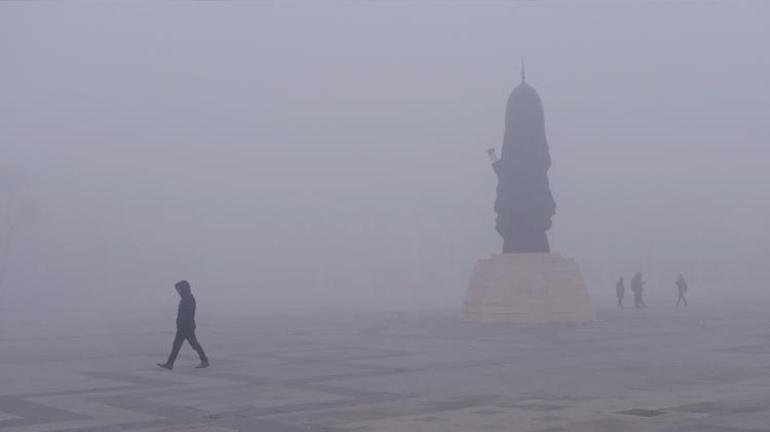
524	202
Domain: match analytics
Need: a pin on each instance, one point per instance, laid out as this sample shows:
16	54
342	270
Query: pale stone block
527	289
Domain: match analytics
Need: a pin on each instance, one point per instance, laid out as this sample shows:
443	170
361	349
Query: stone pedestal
527	289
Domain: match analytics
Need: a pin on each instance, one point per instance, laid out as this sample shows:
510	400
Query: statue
524	203
526	284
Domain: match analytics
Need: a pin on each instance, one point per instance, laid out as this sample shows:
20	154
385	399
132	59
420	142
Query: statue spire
523	72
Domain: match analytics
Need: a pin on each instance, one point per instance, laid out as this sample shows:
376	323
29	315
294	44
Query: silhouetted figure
524	203
620	291
681	286
185	327
637	287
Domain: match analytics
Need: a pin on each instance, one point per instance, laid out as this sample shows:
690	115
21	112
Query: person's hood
183	287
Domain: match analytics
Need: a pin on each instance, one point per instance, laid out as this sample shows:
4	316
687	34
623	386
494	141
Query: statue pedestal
527	289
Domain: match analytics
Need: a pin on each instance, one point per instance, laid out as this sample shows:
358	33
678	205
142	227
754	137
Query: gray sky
332	154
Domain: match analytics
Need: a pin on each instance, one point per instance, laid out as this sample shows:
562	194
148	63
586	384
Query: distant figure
185	327
681	286
637	286
620	290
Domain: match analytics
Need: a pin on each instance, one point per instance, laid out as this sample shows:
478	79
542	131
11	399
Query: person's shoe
165	366
203	364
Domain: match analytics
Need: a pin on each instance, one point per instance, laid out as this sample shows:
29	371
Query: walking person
620	291
681	286
185	327
637	286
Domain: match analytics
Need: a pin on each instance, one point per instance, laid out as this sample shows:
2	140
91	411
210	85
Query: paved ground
653	370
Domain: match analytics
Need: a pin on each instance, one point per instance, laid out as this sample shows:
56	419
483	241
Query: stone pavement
650	370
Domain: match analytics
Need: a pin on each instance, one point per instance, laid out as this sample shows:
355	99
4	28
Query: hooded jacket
185	317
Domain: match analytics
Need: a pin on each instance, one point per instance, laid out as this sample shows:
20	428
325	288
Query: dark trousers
181	336
620	302
681	299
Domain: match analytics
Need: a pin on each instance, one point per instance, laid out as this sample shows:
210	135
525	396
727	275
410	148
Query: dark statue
524	204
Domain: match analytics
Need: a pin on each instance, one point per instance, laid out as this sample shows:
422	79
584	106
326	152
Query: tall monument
526	283
524	202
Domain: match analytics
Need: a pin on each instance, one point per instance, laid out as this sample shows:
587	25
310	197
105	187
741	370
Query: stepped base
527	289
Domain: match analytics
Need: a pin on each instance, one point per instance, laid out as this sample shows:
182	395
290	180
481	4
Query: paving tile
701	370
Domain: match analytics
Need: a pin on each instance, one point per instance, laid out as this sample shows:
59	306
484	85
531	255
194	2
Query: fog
297	156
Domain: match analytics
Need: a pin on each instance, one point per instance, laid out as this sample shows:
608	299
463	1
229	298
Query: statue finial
523	72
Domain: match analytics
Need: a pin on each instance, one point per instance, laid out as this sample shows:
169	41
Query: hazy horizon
303	155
